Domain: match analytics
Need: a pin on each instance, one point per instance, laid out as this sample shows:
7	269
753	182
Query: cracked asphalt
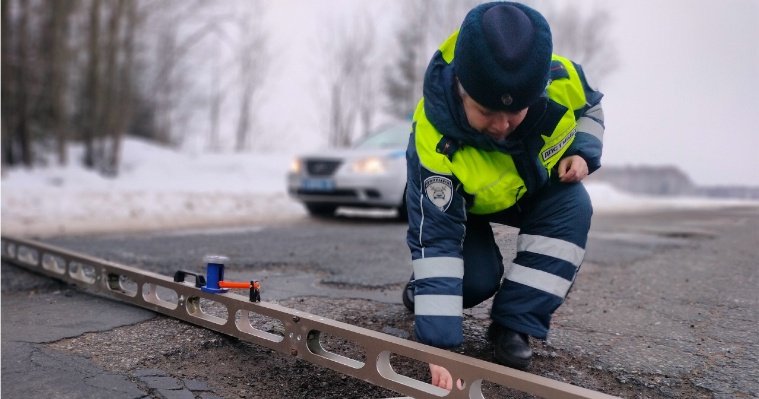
665	306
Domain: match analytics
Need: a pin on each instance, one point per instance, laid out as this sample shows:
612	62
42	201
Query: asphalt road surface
666	305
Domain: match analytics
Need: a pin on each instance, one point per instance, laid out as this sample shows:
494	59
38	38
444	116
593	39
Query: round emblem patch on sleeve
439	190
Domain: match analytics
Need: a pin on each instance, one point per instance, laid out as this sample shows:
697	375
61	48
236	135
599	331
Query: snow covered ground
159	188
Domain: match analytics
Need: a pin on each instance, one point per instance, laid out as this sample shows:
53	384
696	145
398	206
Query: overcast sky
686	92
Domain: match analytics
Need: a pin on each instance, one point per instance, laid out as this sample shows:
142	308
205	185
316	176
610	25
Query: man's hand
572	169
442	378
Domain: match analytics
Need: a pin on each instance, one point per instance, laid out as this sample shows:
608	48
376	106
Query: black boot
510	348
408	295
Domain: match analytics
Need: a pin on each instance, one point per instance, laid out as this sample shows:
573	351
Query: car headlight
370	165
296	166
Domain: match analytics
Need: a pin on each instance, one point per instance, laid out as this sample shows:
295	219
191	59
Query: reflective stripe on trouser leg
438	301
550	249
437	286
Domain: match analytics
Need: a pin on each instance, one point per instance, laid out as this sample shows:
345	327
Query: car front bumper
384	191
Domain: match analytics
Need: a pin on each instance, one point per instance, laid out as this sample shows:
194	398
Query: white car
372	174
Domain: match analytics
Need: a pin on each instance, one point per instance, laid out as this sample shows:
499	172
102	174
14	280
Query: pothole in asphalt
285	282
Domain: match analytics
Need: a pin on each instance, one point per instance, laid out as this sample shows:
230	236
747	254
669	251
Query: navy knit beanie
503	55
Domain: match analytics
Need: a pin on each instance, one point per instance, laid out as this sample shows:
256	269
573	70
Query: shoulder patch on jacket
439	190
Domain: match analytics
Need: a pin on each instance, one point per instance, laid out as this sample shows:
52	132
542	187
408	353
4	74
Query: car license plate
318	184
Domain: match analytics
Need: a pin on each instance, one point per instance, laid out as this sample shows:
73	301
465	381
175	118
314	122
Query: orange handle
233	284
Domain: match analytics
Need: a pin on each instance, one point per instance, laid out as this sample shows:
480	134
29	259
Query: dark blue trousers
559	211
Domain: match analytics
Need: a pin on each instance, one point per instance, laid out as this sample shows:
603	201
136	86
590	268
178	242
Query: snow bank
159	188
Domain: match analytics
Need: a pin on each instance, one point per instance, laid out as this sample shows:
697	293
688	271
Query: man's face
496	124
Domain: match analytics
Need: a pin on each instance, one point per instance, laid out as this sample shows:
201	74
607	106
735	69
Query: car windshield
395	136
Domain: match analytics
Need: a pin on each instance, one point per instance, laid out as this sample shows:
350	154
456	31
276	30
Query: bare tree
92	90
166	56
423	25
6	122
584	38
252	56
57	31
216	97
123	77
89	51
223	39
403	80
110	110
107	95
349	81
365	82
15	76
181	28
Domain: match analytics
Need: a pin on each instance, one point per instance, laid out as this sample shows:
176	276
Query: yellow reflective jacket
494	177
